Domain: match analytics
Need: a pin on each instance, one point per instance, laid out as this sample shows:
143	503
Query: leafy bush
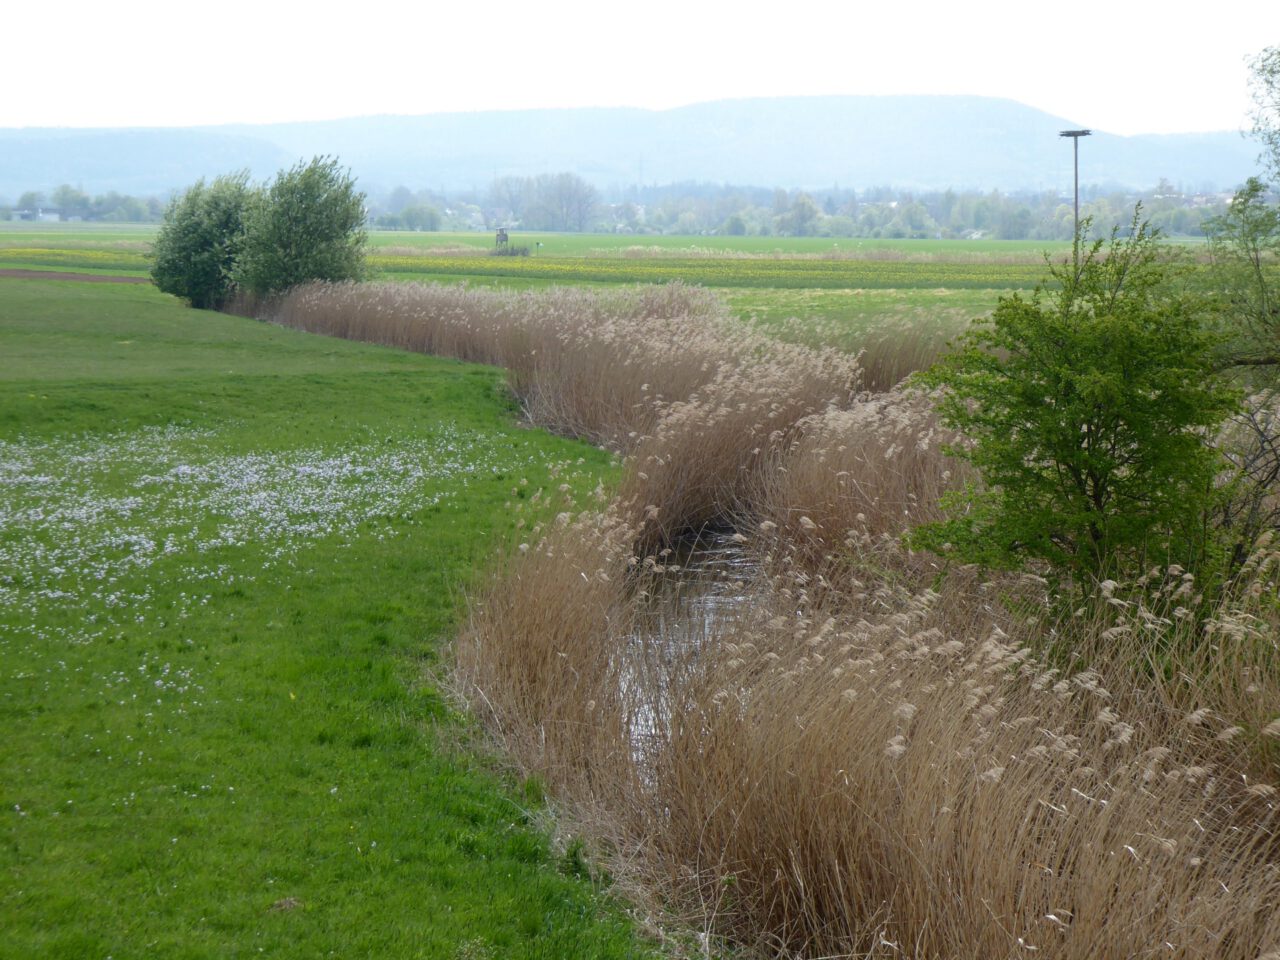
308	225
203	231
1088	409
510	250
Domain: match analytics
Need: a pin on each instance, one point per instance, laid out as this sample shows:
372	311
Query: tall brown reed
598	365
889	775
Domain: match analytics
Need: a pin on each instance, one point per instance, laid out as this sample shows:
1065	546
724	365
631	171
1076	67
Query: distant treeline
70	203
881	212
884	212
567	202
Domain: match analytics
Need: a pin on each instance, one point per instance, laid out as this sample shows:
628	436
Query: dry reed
886	775
864	755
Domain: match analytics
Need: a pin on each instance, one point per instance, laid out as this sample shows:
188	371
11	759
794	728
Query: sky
1124	66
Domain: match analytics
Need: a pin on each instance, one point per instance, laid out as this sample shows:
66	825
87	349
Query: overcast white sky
1119	66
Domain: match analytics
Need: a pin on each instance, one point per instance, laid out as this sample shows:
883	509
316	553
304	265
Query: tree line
567	202
72	203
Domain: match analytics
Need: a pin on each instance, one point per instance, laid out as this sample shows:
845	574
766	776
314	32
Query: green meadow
231	560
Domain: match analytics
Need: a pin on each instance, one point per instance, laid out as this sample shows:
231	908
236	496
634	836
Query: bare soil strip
82	277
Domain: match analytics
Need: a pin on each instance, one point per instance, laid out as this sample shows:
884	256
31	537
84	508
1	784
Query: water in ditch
692	592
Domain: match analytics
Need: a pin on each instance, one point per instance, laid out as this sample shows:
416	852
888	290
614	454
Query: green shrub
203	231
308	225
1088	410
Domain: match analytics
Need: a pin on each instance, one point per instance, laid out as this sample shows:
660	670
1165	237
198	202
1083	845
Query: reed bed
598	366
868	770
616	368
869	754
871	470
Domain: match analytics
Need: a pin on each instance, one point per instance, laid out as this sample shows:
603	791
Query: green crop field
767	272
229	557
116	249
632	245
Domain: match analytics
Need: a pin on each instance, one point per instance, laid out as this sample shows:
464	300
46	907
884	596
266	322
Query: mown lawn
230	559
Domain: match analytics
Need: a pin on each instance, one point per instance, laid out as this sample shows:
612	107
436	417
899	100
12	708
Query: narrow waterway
688	595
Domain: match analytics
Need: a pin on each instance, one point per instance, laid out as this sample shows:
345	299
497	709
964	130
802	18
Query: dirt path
83	277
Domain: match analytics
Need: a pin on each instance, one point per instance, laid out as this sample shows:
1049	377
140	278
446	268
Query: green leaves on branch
309	224
1087	409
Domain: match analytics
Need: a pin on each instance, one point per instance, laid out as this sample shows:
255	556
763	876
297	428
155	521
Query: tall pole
1075	151
1075	136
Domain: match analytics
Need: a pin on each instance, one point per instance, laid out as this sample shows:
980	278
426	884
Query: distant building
39	214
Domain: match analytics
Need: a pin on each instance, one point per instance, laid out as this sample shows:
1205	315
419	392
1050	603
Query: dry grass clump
557	700
884	786
706	454
867	471
1163	646
890	353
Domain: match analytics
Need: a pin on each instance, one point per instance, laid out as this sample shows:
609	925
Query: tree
195	252
1086	409
70	201
308	225
1264	72
801	217
1245	245
401	197
560	201
420	216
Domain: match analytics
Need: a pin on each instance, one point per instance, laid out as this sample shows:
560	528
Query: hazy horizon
1242	128
1124	69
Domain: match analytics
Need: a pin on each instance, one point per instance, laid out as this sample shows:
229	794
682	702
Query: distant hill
138	162
913	142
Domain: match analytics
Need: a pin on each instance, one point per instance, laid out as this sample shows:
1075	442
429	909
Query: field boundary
78	277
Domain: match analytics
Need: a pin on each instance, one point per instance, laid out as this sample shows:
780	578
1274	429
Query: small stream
704	578
699	586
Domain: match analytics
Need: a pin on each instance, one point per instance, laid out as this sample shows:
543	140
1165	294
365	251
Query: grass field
229	557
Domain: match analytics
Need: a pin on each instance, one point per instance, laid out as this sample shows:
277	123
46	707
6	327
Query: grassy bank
228	557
